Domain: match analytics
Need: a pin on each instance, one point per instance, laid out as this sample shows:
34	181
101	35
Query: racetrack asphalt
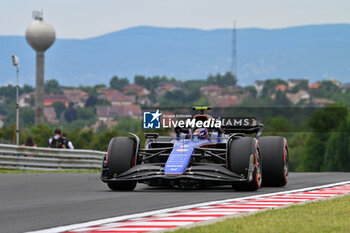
38	201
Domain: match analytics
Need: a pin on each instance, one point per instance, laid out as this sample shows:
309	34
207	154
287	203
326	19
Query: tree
102	140
91	101
270	85
26	89
226	80
338	148
323	123
303	85
52	87
70	115
26	116
40	134
281	100
277	125
59	108
251	90
85	114
118	83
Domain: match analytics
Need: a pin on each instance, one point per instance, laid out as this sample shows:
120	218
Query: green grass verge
11	171
324	216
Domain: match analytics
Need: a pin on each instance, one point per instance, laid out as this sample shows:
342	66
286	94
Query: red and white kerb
189	216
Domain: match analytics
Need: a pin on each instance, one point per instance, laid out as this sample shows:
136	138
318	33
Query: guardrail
40	158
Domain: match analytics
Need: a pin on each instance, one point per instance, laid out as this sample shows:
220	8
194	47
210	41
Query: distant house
135	89
227	100
109	113
259	85
123	100
321	102
335	82
297	97
168	87
315	85
50	99
102	90
25	99
281	88
76	96
144	100
50	115
104	113
213	89
293	82
116	97
110	94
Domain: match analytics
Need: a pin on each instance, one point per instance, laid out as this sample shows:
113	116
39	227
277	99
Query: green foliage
102	140
337	152
151	83
81	139
26	116
127	124
26	89
9	92
251	90
40	134
91	101
251	101
52	87
327	125
303	85
85	114
118	83
194	84
296	151
281	100
59	108
277	125
71	114
180	98
8	132
270	85
226	80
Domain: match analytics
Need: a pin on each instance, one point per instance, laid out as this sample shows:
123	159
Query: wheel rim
286	164
258	168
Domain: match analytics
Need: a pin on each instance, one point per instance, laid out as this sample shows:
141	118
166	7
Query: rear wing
242	125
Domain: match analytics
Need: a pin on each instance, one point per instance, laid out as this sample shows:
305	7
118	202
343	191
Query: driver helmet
201	133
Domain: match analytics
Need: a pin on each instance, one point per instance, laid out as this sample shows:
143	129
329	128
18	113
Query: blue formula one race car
198	157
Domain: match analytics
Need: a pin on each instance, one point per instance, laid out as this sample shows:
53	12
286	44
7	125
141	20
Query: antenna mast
234	51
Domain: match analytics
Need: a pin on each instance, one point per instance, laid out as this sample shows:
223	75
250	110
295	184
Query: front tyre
120	158
275	160
244	160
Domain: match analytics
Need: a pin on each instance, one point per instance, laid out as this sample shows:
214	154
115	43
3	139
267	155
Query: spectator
29	142
57	141
68	144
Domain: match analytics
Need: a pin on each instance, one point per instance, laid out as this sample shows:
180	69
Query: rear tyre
120	158
275	160
240	152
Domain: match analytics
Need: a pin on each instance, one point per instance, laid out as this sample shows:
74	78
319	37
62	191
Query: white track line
163	211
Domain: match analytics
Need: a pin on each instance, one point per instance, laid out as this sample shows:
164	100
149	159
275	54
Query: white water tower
40	35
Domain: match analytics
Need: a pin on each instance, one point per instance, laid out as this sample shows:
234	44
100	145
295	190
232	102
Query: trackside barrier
40	158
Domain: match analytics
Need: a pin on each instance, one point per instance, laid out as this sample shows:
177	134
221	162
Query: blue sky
89	18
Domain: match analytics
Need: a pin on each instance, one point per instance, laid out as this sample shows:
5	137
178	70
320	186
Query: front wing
203	172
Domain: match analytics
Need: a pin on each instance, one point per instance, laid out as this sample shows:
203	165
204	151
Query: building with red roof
50	99
281	88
